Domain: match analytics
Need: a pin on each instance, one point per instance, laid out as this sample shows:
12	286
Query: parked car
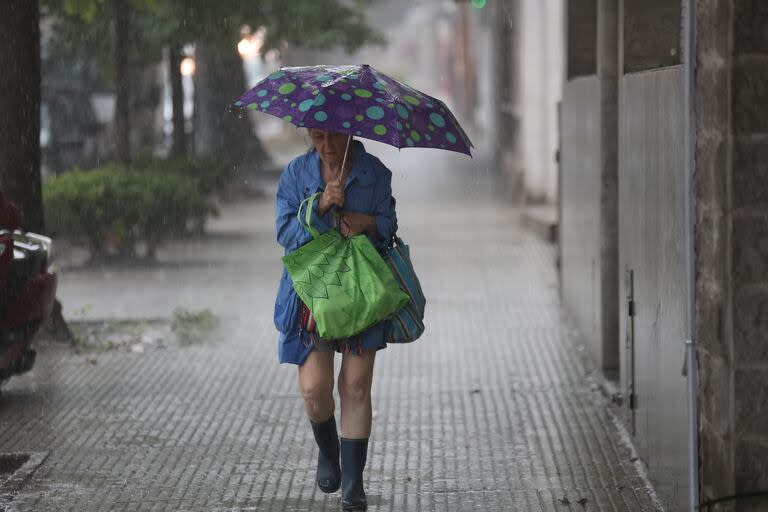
27	290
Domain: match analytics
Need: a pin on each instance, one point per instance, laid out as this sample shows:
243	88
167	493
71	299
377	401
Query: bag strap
304	220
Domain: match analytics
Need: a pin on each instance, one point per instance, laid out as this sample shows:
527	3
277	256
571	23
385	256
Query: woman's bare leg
355	380
316	385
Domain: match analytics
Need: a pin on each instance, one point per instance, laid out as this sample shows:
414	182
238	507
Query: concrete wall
580	204
731	188
651	246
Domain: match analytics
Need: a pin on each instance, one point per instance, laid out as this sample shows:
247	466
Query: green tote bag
344	282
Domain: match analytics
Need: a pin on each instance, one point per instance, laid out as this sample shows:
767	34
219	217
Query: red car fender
10	356
34	303
10	216
6	258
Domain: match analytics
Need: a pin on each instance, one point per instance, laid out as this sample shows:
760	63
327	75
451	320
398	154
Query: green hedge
113	208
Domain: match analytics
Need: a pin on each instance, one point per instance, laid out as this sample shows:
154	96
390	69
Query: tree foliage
84	27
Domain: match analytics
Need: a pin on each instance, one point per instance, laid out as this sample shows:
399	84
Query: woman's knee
355	387
316	391
316	381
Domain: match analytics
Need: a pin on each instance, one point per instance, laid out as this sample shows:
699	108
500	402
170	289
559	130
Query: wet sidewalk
491	410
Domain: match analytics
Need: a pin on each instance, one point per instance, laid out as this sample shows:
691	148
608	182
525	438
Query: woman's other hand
333	195
354	223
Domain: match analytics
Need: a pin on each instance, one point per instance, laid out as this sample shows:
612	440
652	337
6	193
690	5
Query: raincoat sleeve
384	210
291	234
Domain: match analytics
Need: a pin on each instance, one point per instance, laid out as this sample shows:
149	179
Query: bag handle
395	241
304	220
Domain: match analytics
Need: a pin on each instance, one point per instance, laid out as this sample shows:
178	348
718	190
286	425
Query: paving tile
491	410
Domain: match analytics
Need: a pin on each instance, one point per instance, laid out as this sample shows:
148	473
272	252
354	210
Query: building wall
731	235
541	78
651	247
528	52
580	206
588	223
629	165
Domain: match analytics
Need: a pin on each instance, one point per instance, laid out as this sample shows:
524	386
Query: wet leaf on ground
139	336
119	335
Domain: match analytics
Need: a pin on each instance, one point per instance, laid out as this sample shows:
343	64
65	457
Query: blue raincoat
368	190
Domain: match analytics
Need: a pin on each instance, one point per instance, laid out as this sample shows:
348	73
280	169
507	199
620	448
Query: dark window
652	30
582	38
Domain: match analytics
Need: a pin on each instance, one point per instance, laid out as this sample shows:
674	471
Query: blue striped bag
407	324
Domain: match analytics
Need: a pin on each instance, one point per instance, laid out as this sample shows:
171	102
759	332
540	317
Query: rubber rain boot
328	470
353	456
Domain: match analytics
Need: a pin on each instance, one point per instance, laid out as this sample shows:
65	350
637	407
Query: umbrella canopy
360	101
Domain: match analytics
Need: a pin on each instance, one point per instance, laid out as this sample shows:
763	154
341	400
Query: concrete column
608	75
731	188
506	49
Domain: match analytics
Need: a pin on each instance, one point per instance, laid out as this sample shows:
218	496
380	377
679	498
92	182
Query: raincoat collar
360	171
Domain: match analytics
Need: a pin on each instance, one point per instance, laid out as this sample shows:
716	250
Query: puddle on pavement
10	463
15	471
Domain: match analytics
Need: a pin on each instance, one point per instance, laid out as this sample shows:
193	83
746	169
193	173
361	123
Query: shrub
121	205
211	176
191	327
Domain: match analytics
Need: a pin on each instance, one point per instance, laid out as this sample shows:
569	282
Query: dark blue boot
328	470
353	455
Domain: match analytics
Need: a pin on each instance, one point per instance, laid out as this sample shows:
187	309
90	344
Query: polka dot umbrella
360	101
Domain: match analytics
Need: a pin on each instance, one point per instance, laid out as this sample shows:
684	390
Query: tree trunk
20	110
20	123
179	147
220	80
122	81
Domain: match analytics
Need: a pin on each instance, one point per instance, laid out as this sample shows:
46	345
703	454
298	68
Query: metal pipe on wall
691	363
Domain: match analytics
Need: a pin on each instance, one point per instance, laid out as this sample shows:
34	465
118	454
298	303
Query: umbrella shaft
344	160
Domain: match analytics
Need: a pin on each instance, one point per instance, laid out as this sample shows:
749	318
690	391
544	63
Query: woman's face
329	145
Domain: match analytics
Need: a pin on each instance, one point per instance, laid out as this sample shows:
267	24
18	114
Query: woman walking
356	198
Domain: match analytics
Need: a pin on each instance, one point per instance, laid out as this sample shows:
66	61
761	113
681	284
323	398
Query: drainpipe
691	365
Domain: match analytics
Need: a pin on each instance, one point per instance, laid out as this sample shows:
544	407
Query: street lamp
251	44
187	66
244	47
